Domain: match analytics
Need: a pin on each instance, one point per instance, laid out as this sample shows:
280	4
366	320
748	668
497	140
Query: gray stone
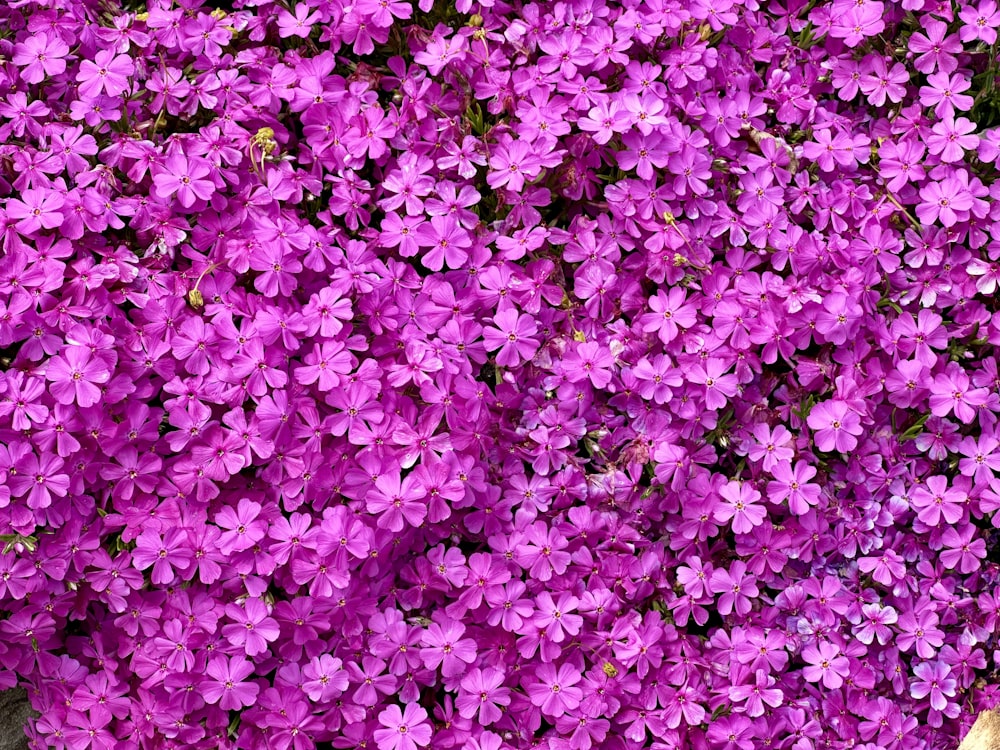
14	712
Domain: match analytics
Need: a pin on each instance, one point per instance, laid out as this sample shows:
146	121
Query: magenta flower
38	479
644	153
368	133
444	647
657	378
934	680
35	210
886	569
325	678
719	384
835	426
76	377
371	679
185	178
918	630
875	623
670	313
944	93
755	696
440	51
826	664
935	47
242	527
555	691
937	500
951	391
132	471
962	550
695	576
403	730
839	318
979	23
299	25
981	458
947	201
108	73
40	55
512	162
589	361
251	629
737	588
162	553
771	447
740	504
482	695
513	336
542	552
951	138
397	501
901	162
447	240
227	685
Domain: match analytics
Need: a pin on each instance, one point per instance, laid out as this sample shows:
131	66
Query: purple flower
398	501
512	162
251	629
737	588
39	56
108	73
39	479
590	361
771	446
513	336
483	695
227	685
835	426
670	313
979	22
740	506
944	93
162	553
934	681
403	730
951	391
444	647
555	691
35	210
761	692
962	551
185	178
325	678
826	664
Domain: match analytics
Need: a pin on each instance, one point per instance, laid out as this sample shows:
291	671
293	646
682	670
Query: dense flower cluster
494	374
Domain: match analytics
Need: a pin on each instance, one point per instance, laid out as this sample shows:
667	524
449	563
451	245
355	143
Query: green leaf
11	541
915	429
234	726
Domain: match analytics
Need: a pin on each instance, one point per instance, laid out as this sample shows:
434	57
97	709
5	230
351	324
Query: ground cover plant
498	375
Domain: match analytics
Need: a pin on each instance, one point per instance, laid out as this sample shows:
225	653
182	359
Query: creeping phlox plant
494	375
